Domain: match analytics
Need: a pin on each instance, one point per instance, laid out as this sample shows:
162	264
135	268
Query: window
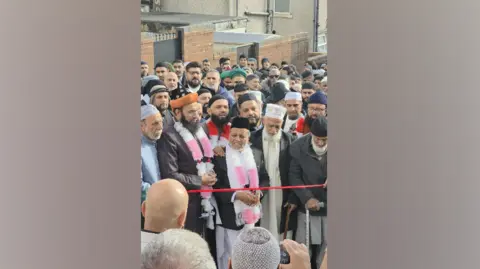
322	43
282	6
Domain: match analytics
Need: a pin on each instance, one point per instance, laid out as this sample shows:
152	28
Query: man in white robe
273	143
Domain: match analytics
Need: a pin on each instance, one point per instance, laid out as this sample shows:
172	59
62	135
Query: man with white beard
271	148
308	166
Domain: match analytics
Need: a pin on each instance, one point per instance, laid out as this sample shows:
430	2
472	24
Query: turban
183	101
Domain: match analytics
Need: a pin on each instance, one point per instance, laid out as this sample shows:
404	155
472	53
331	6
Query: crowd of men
206	131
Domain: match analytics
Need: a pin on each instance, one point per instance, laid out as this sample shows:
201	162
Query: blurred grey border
404	134
403	124
70	137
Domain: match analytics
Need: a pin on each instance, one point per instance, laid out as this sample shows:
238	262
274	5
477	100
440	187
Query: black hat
308	85
278	92
216	98
319	127
202	91
246	97
240	88
240	123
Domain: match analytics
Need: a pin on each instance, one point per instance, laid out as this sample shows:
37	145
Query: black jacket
306	168
224	199
284	164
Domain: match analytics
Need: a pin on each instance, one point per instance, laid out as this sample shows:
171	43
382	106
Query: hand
219	151
313	204
299	256
209	179
324	262
290	207
325	184
246	197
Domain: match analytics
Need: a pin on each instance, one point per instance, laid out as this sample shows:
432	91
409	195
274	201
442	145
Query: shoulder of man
298	146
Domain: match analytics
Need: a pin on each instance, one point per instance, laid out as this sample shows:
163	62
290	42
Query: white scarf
242	171
318	150
274	198
204	165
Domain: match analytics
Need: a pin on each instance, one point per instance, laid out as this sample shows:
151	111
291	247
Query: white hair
175	249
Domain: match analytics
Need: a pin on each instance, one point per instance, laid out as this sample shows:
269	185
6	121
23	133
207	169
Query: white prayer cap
293	96
275	111
147	111
257	94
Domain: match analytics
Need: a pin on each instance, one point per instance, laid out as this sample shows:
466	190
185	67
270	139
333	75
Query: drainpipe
316	24
269	17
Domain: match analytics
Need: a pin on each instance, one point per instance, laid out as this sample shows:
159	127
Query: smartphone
284	257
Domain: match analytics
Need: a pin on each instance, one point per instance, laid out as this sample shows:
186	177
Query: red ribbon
258	189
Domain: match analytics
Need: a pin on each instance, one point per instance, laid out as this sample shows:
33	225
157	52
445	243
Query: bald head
165	206
171	81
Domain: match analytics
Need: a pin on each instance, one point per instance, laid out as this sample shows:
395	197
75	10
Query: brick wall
293	49
147	52
197	45
217	54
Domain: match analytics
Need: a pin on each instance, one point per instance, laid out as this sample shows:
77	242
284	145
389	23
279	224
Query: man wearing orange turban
185	154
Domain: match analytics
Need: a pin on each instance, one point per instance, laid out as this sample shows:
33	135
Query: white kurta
225	239
272	202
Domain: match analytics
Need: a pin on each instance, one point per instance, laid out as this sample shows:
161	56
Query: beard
229	87
309	120
220	121
293	116
192	127
253	120
194	83
162	108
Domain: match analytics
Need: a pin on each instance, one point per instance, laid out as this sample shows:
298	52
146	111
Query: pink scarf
242	171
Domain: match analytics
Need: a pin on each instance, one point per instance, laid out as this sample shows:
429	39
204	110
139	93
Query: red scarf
302	127
213	134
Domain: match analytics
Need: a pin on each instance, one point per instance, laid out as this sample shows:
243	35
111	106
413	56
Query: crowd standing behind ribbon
243	126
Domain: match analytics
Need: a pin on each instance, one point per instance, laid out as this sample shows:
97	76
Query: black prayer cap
202	91
240	123
216	98
319	127
240	88
247	97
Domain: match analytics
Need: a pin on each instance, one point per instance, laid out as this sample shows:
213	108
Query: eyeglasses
311	109
275	76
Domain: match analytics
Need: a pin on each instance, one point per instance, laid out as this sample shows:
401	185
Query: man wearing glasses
267	84
317	107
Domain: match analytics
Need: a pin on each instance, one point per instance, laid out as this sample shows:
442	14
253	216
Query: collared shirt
150	172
